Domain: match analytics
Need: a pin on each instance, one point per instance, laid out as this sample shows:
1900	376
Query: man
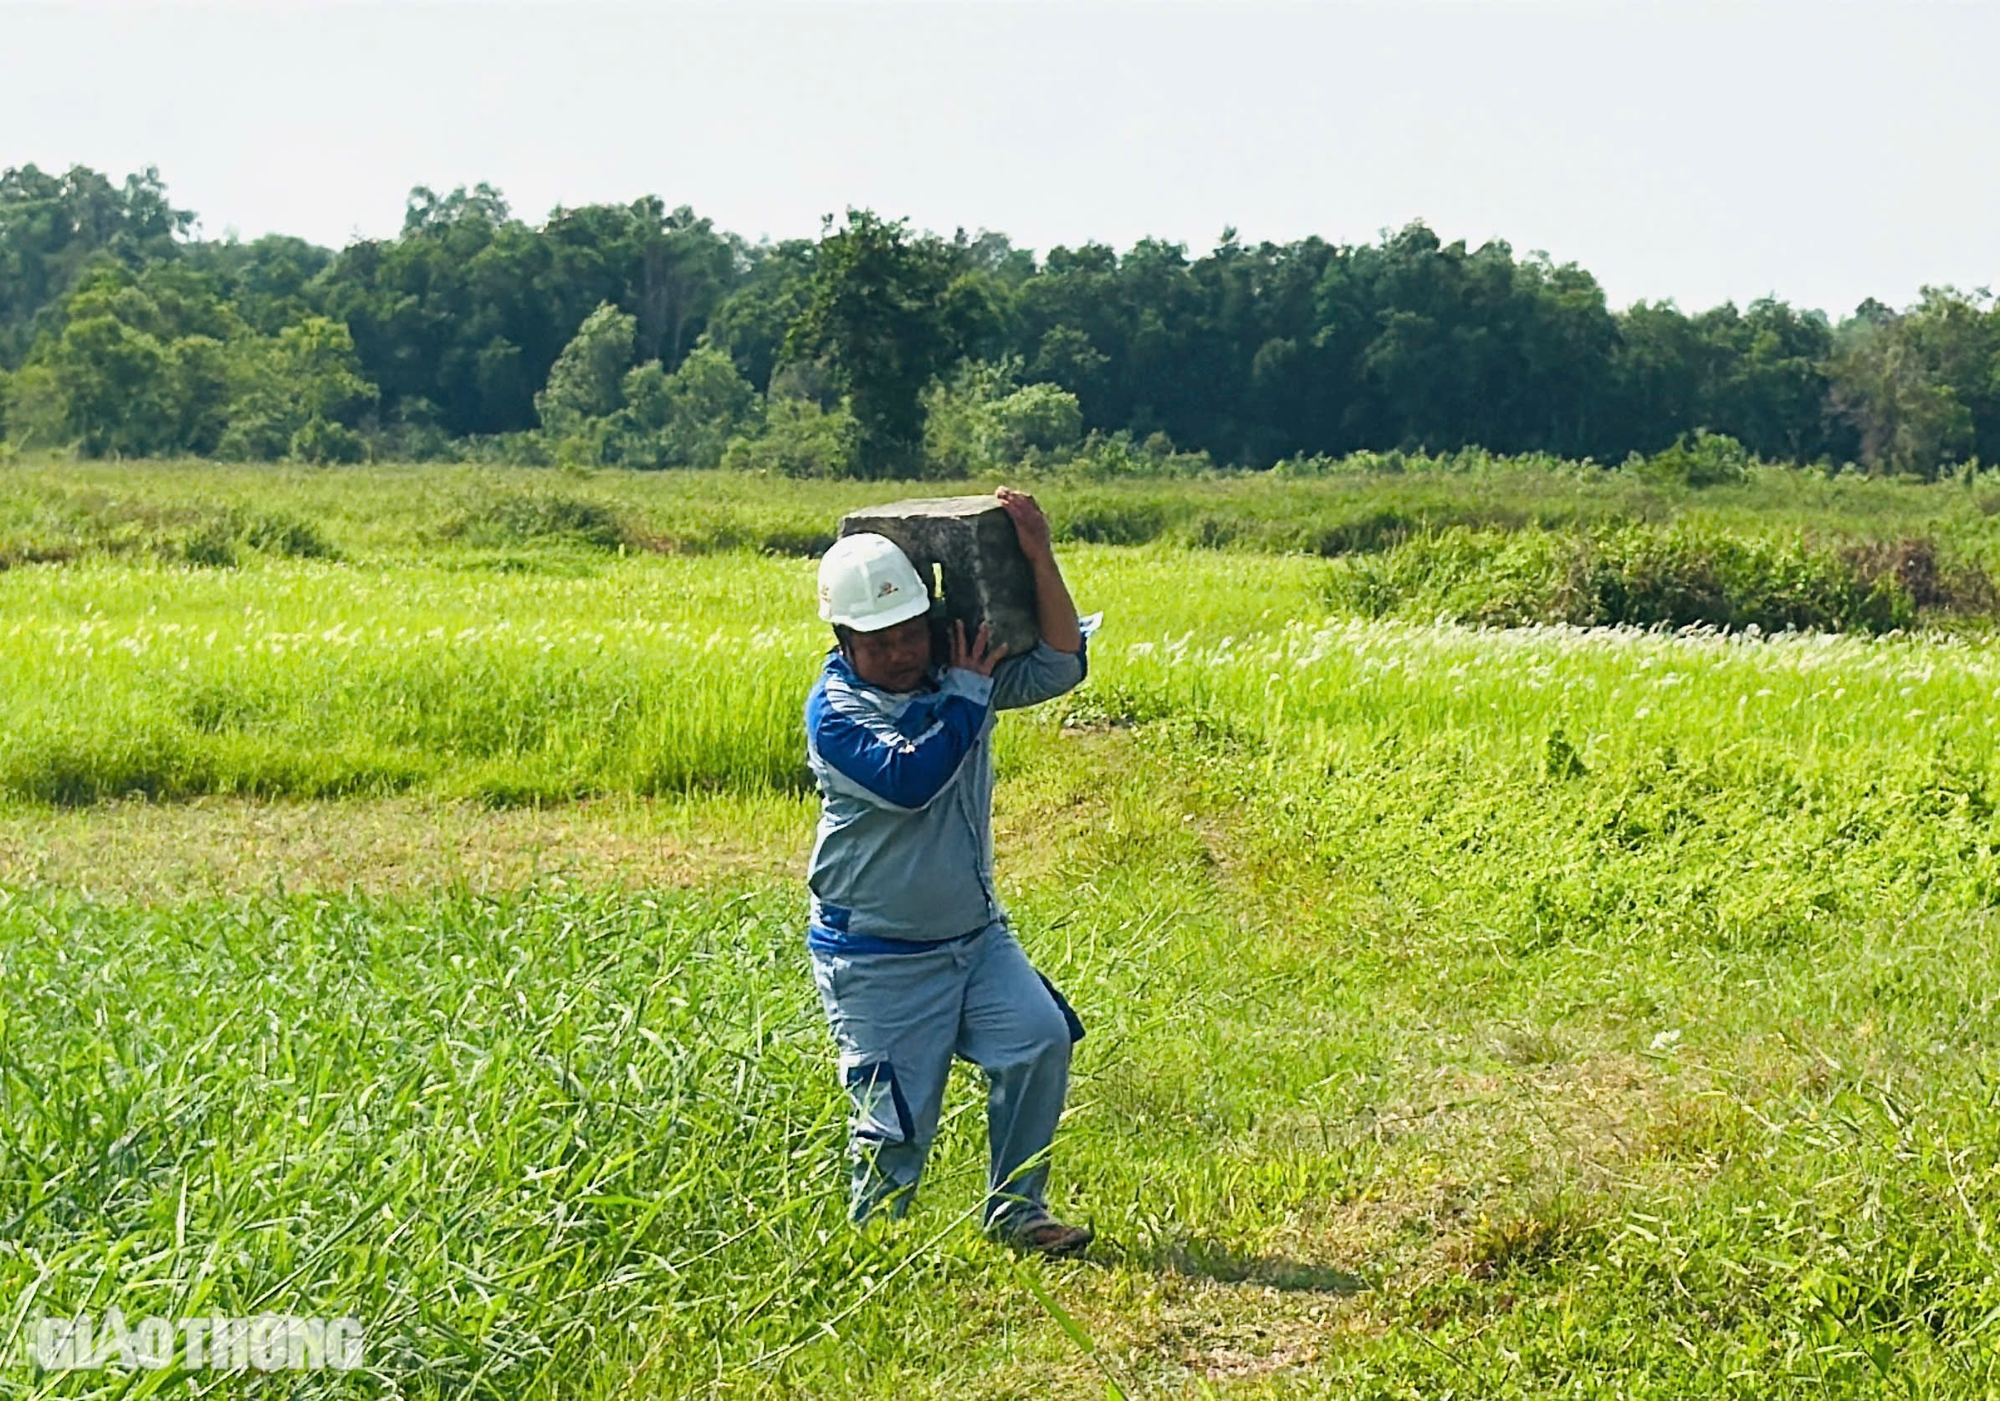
912	952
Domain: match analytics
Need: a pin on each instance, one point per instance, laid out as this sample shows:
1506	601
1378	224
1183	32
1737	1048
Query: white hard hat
867	583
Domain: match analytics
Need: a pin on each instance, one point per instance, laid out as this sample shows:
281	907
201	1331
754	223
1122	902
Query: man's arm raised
1059	661
1054	610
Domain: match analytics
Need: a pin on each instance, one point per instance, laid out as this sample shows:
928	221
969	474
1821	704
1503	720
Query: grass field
208	513
407	925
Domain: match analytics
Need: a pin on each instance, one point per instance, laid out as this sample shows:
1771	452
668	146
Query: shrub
214	537
292	395
548	517
414	435
1913	565
788	540
1117	457
212	545
799	440
255	437
321	441
524	449
683	419
1371	529
1646	576
1704	459
1470	461
289	536
1036	418
982	421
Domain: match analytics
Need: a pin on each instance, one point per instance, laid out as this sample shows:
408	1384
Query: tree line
643	335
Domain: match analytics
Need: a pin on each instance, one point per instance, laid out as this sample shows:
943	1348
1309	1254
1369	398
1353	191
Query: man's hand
1055	614
980	658
1029	524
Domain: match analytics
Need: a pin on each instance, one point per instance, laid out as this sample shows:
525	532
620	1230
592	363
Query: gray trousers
899	1018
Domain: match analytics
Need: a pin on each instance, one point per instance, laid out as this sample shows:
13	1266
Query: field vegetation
400	917
640	335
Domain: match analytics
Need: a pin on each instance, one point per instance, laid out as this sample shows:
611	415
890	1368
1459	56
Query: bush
32	405
1111	522
1117	458
980	421
321	442
683	419
585	446
799	440
215	538
546	517
211	545
1037	418
1650	577
1705	459
1914	566
288	536
292	394
523	449
255	437
1471	461
414	436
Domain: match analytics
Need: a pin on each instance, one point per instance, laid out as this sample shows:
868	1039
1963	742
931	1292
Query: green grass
645	675
1493	1013
323	680
210	513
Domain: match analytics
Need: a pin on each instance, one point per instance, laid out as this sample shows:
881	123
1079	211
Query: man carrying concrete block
911	949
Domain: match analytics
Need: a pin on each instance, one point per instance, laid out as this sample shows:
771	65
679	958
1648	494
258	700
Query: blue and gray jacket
905	845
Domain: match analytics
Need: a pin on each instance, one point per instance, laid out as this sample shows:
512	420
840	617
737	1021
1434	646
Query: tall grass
542	1146
320	682
664	675
1473	1011
214	514
1594	1003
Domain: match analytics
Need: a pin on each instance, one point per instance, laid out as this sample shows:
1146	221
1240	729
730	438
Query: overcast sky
1821	152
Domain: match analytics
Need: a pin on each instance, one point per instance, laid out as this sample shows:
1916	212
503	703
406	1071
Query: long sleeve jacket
905	843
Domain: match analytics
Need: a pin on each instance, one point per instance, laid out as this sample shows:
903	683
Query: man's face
895	659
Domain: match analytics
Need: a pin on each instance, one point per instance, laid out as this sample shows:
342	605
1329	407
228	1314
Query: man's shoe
1042	1234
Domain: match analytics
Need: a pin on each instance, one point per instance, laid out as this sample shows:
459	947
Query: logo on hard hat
888	587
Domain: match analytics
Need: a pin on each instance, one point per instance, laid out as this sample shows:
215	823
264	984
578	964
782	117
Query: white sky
1820	151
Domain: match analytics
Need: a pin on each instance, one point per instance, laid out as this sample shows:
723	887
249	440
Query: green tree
121	334
113	382
269	282
323	442
1036	418
1957	337
800	439
199	385
54	226
306	380
34	412
1909	421
468	308
683	419
751	322
980	420
680	271
129	362
585	382
877	317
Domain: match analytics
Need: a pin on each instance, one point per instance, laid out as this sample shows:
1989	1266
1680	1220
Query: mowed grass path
1471	1014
